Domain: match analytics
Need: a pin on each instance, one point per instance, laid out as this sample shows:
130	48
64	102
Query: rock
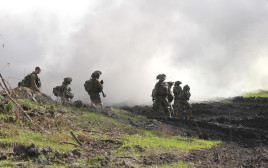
44	151
3	157
43	161
152	125
133	132
74	165
78	104
133	123
57	153
33	152
19	149
77	153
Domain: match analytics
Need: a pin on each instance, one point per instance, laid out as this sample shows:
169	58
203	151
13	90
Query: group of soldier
162	93
93	87
163	96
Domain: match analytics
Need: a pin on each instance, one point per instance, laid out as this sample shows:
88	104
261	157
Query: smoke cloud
218	47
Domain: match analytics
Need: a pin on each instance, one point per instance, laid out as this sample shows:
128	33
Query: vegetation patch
260	93
151	142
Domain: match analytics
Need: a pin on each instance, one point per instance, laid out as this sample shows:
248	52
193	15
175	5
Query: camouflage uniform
35	82
96	89
161	99
66	90
177	90
184	105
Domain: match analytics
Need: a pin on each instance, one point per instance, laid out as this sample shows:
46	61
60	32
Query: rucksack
88	86
57	91
26	82
162	89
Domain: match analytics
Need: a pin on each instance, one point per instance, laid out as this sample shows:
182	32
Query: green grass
27	104
15	135
175	165
92	120
260	93
153	143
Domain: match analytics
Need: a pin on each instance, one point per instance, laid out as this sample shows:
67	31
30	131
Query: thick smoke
218	47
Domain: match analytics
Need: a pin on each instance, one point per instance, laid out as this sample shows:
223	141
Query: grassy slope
260	93
153	141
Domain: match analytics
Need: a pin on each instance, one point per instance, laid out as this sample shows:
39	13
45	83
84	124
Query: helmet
161	77
67	80
186	87
170	83
178	83
96	74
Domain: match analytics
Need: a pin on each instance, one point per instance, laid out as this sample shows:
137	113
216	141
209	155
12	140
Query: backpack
162	89
89	86
57	91
26	82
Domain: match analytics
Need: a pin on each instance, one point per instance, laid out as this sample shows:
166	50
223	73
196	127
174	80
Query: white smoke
218	47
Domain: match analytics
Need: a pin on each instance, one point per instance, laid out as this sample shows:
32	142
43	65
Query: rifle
103	94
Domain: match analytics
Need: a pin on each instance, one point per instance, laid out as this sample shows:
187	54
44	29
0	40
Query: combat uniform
66	90
97	88
32	81
160	96
94	87
184	104
177	90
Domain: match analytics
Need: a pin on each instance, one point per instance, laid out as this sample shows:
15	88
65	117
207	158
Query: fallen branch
76	139
69	143
4	83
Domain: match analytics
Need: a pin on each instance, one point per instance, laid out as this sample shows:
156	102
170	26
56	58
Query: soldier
32	80
160	95
94	87
177	90
170	97
184	104
64	91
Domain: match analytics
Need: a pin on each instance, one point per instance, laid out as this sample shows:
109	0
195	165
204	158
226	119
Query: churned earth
240	123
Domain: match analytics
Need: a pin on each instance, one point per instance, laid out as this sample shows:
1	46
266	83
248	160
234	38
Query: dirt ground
241	124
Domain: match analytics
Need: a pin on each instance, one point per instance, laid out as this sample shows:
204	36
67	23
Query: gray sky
218	47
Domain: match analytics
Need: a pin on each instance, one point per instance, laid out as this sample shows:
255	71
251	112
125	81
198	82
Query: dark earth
241	124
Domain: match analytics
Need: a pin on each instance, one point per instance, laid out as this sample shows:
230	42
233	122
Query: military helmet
178	83
186	87
170	83
96	74
161	77
67	80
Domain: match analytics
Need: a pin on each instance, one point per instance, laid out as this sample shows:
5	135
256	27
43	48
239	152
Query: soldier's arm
99	85
68	93
33	84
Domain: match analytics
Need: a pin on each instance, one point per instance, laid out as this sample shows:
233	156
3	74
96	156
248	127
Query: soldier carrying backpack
160	96
94	87
32	80
64	91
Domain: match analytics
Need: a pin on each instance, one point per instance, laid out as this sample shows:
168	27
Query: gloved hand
101	82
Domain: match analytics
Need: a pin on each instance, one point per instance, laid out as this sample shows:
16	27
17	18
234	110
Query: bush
9	106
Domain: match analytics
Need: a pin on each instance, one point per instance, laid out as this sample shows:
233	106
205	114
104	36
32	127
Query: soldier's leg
189	109
156	108
166	106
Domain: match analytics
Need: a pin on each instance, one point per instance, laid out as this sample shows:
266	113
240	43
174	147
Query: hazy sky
218	47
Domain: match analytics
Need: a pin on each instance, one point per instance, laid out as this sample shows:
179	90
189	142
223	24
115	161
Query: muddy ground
241	124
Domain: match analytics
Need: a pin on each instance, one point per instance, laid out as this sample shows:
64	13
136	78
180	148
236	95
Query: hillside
222	134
